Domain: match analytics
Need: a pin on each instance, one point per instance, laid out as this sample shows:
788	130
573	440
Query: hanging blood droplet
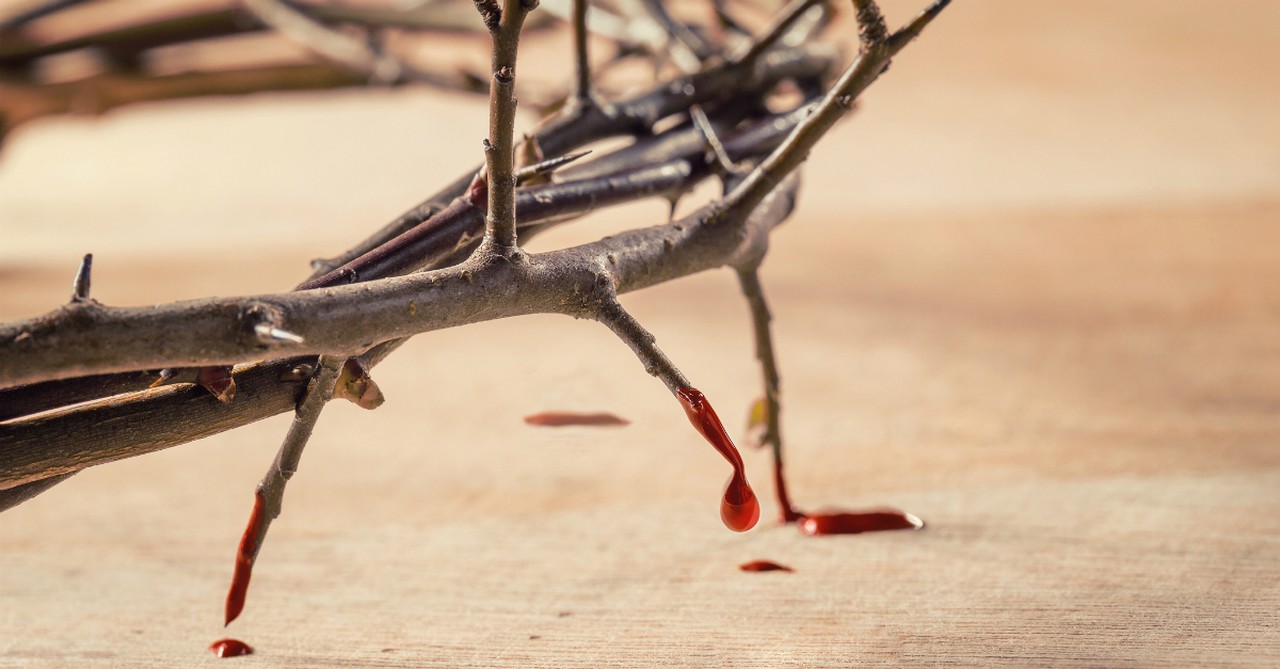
230	648
244	561
739	509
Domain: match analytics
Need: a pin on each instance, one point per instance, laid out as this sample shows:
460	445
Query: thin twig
739	508
270	490
726	20
178	27
305	27
636	115
339	47
603	22
422	17
878	47
713	141
646	28
21	101
582	65
499	148
172	28
679	37
610	312
285	465
786	18
749	280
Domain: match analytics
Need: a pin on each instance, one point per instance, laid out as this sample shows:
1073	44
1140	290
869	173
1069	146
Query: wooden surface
1032	296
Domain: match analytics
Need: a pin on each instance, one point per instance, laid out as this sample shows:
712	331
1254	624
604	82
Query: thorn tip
270	334
80	286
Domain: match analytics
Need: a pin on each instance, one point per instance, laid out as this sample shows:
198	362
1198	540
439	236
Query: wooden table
1032	296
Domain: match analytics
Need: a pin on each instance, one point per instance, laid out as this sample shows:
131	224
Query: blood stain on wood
570	418
230	648
763	566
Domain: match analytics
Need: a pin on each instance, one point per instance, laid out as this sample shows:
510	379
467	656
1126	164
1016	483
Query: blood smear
570	418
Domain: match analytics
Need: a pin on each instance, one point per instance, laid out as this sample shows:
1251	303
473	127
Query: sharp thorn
270	334
80	286
548	166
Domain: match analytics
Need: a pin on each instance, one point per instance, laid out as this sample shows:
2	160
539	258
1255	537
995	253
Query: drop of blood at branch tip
230	648
739	509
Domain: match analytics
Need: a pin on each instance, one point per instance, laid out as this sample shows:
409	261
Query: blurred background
1031	294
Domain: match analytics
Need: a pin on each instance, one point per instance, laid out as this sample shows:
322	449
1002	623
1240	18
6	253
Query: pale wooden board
1034	300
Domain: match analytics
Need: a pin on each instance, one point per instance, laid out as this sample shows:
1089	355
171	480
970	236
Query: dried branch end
912	30
872	30
355	385
490	13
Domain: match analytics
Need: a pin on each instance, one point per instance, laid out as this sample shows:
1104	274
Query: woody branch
347	320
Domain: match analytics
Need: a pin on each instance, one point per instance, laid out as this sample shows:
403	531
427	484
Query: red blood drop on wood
845	522
569	418
230	648
764	565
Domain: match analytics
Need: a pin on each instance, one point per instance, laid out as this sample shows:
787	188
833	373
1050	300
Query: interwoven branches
360	304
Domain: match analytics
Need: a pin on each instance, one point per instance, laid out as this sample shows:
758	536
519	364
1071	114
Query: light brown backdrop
1032	295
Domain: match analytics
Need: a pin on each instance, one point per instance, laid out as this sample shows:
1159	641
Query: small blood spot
230	648
569	418
764	565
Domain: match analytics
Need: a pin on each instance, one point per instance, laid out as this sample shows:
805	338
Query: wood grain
1051	330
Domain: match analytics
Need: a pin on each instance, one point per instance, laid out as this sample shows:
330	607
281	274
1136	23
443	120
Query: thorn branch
753	291
87	351
80	286
318	391
500	223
